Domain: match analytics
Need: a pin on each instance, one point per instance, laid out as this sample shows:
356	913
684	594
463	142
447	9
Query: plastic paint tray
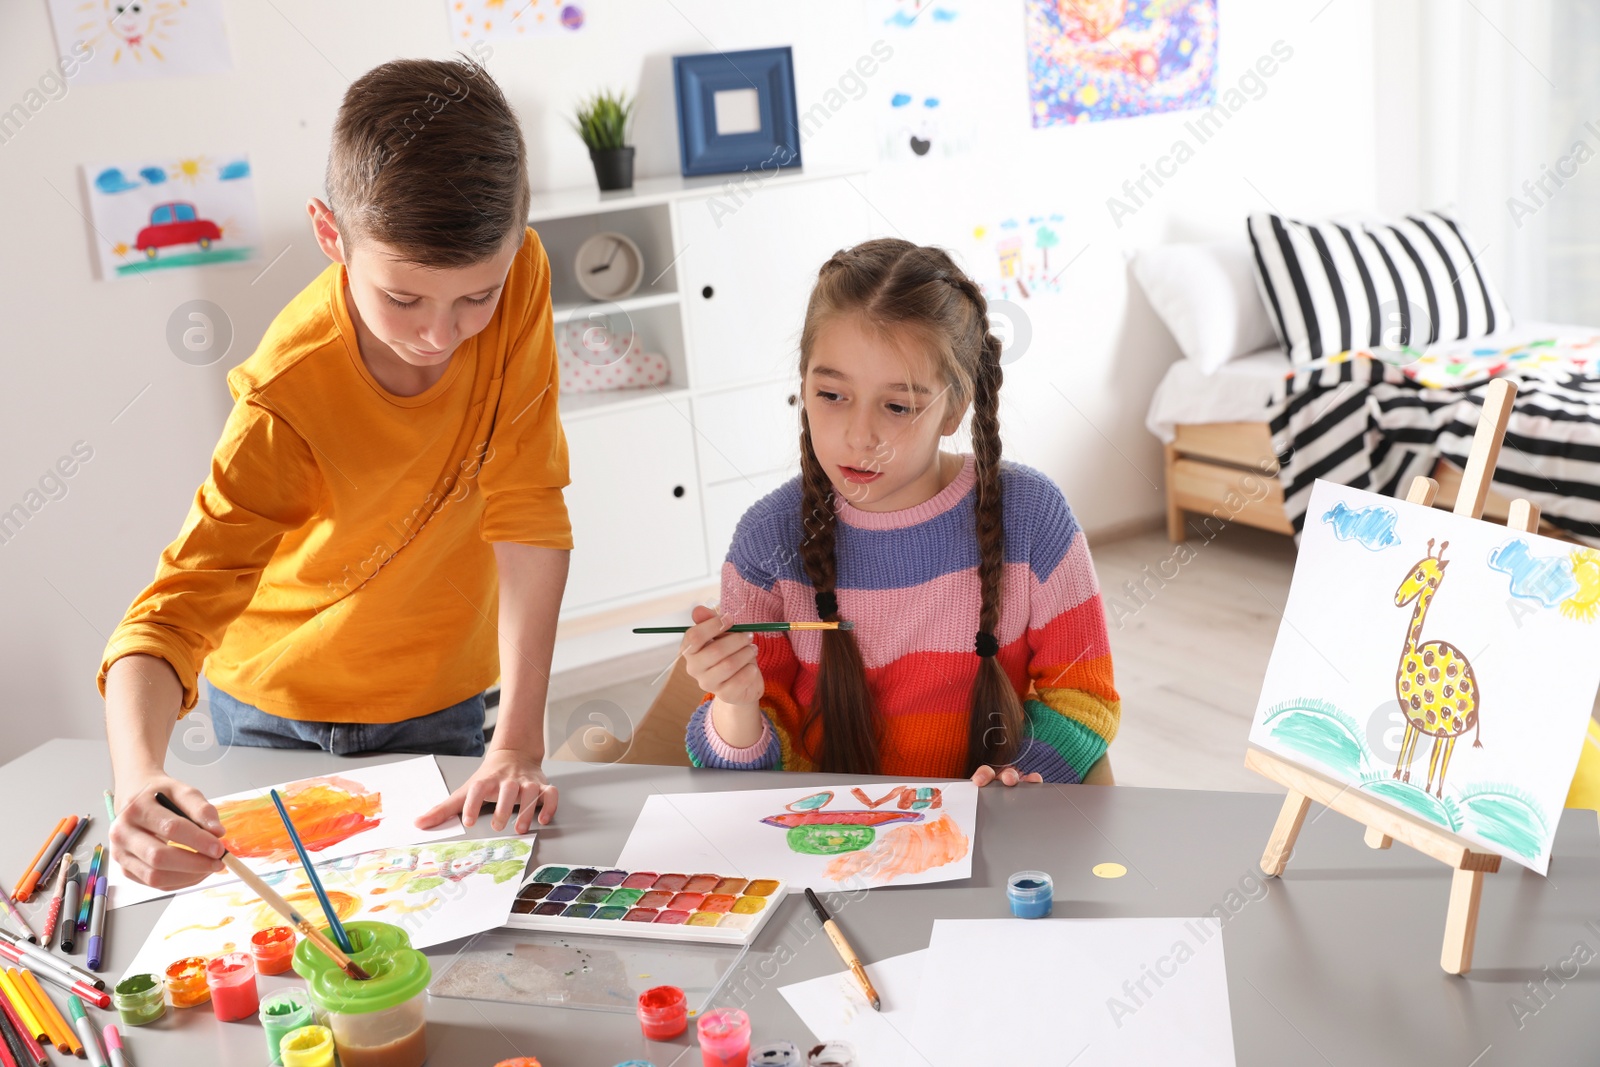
679	907
584	971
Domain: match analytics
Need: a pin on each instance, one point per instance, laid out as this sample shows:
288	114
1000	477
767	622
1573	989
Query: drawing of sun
1585	603
191	170
132	28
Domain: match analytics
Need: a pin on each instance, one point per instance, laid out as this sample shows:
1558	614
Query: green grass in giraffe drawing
1319	731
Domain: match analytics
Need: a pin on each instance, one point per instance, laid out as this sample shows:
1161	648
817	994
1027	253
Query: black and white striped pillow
1391	284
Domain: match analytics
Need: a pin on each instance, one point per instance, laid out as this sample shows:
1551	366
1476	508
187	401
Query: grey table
1337	962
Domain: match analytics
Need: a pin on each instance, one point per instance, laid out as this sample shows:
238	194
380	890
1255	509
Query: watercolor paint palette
673	906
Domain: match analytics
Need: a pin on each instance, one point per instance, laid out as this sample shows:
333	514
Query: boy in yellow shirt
382	534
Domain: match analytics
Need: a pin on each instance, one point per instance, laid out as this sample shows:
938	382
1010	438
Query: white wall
88	362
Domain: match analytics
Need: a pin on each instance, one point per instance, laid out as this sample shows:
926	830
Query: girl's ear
953	417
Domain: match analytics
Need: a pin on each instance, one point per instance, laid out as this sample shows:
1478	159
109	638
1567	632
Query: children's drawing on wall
1090	60
436	892
153	39
1466	632
477	20
906	14
844	836
192	211
921	123
1019	257
915	844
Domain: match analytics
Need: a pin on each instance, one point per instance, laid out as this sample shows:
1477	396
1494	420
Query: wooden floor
1190	640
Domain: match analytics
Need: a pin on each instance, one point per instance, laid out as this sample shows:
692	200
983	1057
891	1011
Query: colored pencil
71	843
16	917
53	1018
754	627
311	875
95	874
30	877
30	1022
43	1026
12	1051
276	902
39	959
14	1023
846	953
56	900
19	1029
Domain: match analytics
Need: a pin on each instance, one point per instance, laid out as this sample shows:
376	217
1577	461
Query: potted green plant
602	121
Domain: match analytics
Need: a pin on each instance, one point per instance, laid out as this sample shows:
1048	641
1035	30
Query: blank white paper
1085	992
834	1009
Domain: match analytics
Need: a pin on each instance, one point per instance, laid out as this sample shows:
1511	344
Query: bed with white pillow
1357	351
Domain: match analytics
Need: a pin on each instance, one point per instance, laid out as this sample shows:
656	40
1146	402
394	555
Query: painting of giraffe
1437	690
1398	619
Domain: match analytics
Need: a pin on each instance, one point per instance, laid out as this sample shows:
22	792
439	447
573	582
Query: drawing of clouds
239	168
112	180
1373	527
154	175
1547	579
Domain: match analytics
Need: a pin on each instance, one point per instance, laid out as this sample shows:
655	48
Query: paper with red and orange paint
336	815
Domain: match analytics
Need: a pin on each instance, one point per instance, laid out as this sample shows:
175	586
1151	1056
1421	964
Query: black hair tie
987	645
827	604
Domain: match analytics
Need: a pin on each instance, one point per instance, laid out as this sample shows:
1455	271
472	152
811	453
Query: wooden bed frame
1228	471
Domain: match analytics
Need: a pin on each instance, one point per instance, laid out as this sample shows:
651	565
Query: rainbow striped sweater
909	581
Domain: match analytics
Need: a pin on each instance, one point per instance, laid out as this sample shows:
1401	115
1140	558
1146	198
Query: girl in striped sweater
978	645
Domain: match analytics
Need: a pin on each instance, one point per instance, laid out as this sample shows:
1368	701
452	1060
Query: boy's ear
325	230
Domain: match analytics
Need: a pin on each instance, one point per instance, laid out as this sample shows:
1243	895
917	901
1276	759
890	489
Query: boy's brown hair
427	158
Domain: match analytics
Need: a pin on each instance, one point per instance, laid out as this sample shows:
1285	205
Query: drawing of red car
176	223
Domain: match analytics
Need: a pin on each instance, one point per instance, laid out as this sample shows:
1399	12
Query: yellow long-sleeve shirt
337	563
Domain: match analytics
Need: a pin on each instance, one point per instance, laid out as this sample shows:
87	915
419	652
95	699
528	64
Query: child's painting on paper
154	39
846	837
1409	631
478	20
161	214
336	815
1090	60
435	892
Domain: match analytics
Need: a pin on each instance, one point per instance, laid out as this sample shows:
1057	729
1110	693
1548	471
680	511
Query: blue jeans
455	731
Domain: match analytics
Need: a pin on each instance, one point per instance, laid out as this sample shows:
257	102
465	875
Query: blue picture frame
697	79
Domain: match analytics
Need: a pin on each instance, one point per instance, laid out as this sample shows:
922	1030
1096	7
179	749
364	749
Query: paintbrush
334	925
755	627
274	901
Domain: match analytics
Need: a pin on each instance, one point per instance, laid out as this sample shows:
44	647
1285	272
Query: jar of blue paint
1031	894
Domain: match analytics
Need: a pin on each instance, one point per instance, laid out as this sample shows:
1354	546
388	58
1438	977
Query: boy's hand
139	836
721	663
1005	776
506	778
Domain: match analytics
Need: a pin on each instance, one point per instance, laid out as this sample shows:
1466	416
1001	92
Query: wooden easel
1384	824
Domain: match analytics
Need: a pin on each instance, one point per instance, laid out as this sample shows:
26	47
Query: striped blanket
1376	419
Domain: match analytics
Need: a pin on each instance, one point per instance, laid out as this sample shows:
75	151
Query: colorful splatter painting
479	20
1441	665
435	892
337	815
162	214
845	837
155	39
1091	60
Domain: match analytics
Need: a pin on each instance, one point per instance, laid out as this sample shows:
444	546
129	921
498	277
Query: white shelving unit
661	475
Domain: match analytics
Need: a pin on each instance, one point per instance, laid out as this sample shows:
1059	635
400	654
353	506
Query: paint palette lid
587	972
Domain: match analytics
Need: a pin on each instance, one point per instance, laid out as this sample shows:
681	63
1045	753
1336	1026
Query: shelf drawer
749	431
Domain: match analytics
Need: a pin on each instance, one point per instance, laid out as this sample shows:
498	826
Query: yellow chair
1585	791
658	738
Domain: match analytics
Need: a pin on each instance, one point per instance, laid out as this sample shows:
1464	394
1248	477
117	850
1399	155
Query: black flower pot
613	167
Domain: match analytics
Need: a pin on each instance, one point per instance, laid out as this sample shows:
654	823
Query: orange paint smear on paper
326	811
903	850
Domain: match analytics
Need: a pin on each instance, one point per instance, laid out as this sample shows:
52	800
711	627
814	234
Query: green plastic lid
399	972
